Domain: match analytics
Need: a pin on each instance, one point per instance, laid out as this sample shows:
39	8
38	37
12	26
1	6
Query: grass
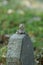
9	24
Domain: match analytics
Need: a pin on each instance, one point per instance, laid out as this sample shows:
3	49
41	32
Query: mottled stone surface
20	50
14	48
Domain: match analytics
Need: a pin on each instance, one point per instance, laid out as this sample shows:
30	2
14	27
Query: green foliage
9	23
3	51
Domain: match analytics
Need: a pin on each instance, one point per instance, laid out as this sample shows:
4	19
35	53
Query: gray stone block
20	50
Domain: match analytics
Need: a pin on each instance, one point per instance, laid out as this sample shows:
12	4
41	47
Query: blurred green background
14	12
